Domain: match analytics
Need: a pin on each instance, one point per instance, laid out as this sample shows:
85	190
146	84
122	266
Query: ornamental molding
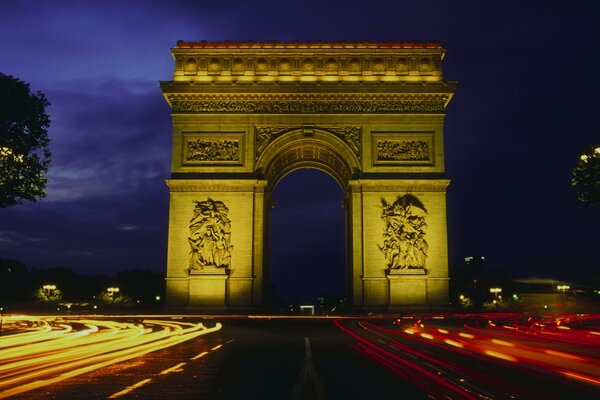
402	185
215	185
266	134
308	103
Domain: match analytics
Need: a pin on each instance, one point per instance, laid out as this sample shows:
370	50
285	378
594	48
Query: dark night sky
527	103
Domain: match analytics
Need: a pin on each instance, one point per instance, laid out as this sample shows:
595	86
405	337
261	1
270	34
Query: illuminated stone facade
370	115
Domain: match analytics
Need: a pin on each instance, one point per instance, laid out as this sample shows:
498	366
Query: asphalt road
257	359
347	359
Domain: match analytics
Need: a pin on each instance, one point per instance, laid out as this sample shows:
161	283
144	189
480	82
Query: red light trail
447	357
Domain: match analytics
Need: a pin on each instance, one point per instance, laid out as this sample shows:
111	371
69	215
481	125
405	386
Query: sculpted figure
210	236
263	138
404	244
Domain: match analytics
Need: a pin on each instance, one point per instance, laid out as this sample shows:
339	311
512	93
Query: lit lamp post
496	290
111	292
49	290
564	288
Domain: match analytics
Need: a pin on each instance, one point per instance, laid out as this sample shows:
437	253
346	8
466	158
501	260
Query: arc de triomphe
245	114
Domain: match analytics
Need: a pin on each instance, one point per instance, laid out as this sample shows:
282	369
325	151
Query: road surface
416	357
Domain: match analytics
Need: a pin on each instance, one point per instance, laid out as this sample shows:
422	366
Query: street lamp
496	290
49	290
564	288
111	292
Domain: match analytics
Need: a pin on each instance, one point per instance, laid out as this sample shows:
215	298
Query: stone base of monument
407	287
207	290
414	288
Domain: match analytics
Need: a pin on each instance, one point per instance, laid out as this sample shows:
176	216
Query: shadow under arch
307	240
318	149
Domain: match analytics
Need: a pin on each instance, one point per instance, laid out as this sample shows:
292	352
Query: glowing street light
49	289
111	292
496	290
564	288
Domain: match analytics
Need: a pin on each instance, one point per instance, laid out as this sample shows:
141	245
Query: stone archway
372	119
322	148
291	148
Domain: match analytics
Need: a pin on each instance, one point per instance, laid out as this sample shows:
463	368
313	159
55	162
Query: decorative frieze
212	148
402	148
303	104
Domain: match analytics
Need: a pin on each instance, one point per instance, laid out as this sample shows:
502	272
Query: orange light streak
453	343
584	378
499	355
564	355
502	343
102	342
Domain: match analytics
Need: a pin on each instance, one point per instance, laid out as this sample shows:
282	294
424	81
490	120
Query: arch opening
307	240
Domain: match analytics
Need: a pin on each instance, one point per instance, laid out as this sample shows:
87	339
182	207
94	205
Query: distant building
475	262
545	294
473	282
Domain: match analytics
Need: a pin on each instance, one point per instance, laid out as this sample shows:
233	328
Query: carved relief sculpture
350	135
266	134
213	150
210	236
402	150
404	245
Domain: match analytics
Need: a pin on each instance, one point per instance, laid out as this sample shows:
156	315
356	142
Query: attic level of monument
250	62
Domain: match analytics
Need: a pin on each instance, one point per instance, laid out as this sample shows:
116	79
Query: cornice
250	44
370	87
215	185
408	185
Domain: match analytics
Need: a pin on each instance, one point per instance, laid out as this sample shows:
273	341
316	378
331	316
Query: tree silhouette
24	151
586	176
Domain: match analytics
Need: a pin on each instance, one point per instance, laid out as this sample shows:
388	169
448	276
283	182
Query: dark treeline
22	286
